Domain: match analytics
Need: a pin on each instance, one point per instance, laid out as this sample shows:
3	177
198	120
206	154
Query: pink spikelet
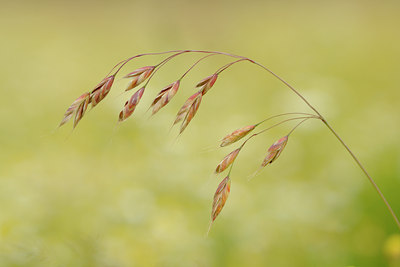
220	197
227	161
205	84
101	90
182	112
138	76
164	96
236	135
130	105
274	151
191	112
78	107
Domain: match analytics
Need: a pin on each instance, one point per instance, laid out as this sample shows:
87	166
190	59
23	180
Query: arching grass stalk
190	107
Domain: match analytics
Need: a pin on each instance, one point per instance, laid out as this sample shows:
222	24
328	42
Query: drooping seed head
81	111
182	112
236	135
191	112
164	96
101	90
227	161
220	197
78	107
205	84
274	151
130	105
138	76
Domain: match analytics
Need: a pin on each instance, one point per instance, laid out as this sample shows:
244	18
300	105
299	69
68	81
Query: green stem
365	172
297	125
283	114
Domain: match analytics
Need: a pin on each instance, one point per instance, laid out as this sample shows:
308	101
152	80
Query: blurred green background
135	195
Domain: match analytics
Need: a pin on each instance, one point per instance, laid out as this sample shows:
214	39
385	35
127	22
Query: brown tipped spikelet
101	90
164	96
78	107
220	197
236	135
274	151
182	112
138	76
227	161
131	105
205	84
191	111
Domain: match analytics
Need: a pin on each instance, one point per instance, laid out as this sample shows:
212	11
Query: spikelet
227	161
131	105
164	96
274	151
78	107
220	197
182	112
236	135
194	106
205	84
138	76
101	90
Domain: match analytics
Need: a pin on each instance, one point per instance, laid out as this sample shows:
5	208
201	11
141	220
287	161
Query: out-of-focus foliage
129	194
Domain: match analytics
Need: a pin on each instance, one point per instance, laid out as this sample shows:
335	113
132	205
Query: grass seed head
81	111
220	197
138	76
191	111
78	107
274	151
130	105
182	112
205	84
227	161
101	90
236	135
164	96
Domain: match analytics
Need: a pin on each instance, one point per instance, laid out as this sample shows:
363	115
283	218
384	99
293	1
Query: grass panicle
189	109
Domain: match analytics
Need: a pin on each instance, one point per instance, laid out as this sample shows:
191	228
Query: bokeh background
133	194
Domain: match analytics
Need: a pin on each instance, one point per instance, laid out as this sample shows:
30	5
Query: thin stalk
283	114
159	65
197	62
228	65
141	55
275	125
294	128
365	172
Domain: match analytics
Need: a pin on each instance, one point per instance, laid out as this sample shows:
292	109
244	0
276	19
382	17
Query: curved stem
294	128
197	62
229	64
159	65
365	172
141	55
277	124
290	87
283	114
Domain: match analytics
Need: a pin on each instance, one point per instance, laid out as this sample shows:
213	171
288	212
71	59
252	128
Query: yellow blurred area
134	194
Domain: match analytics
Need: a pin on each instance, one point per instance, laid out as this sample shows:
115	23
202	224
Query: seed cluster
184	116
